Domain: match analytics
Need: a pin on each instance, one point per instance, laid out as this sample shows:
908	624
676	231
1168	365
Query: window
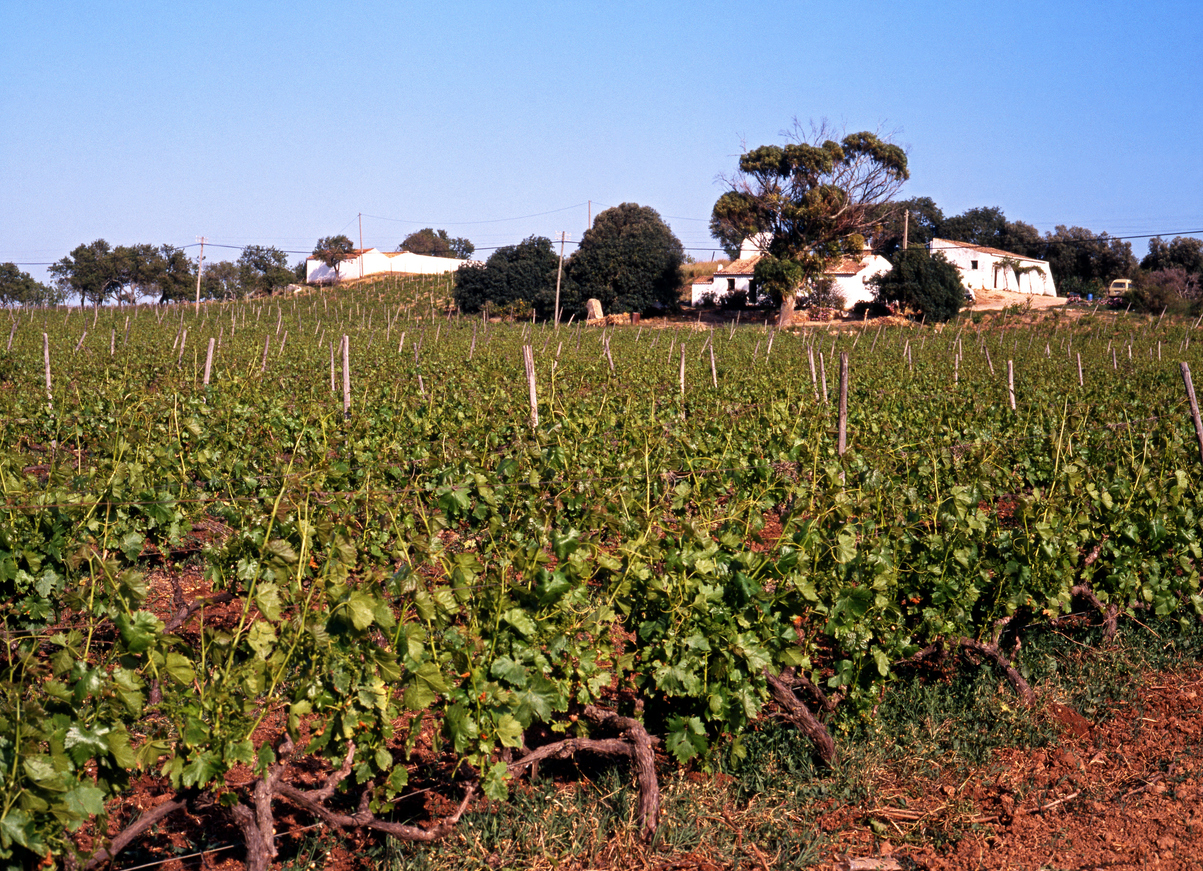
730	285
973	264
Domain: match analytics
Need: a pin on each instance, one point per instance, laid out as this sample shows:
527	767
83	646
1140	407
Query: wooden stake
528	360
1011	382
267	341
1079	368
1190	395
823	376
843	420
46	357
713	370
209	361
346	376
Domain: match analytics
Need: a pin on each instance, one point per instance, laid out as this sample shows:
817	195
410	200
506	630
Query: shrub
927	283
1170	290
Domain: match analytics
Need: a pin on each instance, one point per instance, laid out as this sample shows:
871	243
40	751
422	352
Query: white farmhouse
372	261
851	274
985	268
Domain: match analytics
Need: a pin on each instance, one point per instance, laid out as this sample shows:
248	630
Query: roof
847	266
739	267
945	244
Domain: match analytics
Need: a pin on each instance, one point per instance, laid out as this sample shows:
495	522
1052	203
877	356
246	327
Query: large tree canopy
629	260
437	243
817	199
262	269
96	272
1183	252
515	279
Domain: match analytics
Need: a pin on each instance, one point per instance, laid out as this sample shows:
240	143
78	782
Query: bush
1171	290
514	278
927	283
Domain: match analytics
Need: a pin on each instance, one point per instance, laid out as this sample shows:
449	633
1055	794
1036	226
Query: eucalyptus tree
814	199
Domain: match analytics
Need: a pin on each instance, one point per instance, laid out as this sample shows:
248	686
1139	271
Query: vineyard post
823	376
843	421
401	344
12	333
267	340
80	343
1194	406
472	349
528	360
713	370
282	341
112	341
46	357
814	379
682	370
1011	382
346	376
183	340
209	360
1079	369
956	369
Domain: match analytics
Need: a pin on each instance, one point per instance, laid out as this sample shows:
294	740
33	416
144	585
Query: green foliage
96	273
1165	290
522	274
19	288
1182	252
437	243
925	282
263	269
436	568
629	260
777	278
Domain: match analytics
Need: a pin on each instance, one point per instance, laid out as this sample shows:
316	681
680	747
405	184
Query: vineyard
429	553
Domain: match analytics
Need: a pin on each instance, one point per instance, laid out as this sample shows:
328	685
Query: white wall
376	262
984	270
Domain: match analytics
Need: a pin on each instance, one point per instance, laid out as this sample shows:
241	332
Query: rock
593	309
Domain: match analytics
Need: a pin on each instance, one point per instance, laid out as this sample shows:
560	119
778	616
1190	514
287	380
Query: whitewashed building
373	261
851	274
985	268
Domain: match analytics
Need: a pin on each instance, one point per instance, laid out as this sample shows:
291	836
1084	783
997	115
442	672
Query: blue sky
277	123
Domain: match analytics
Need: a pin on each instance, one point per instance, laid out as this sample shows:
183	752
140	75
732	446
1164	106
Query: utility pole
200	265
906	226
590	223
559	271
361	244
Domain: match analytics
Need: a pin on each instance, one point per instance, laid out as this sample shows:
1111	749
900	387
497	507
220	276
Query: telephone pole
200	265
361	244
